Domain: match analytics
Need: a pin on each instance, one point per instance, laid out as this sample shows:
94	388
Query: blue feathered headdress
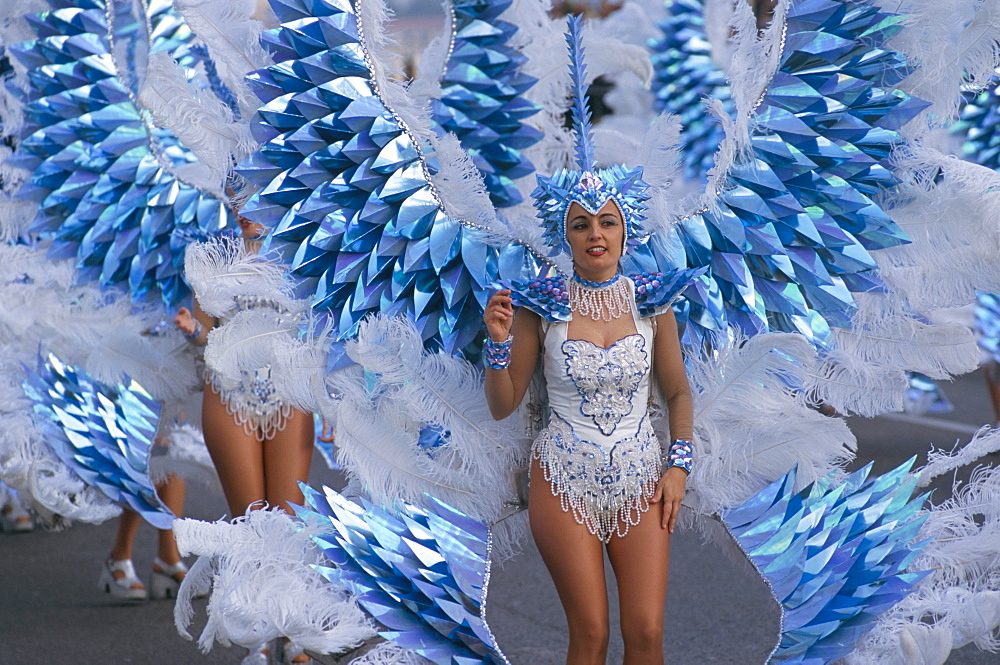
587	185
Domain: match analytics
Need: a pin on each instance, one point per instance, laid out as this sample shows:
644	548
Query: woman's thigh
640	560
287	456
573	556
238	456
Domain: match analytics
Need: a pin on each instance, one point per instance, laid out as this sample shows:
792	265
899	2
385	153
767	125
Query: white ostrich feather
163	365
378	425
99	331
198	118
846	382
939	461
961	597
659	156
245	343
607	54
27	465
953	220
387	653
756	56
258	338
298	370
885	340
221	269
232	34
954	45
540	37
462	192
264	586
15	214
750	428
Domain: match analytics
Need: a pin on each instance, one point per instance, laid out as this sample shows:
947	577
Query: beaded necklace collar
601	301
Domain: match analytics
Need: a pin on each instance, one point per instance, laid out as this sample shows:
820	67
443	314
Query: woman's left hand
670	490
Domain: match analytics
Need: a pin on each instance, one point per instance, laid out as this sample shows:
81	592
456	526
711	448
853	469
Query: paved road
52	613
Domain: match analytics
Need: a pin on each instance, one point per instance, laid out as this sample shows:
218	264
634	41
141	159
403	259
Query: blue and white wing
102	433
349	176
828	220
115	191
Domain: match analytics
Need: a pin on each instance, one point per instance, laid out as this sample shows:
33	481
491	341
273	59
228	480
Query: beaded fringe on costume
253	405
607	490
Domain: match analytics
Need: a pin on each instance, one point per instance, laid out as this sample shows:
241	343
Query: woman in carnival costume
260	445
598	476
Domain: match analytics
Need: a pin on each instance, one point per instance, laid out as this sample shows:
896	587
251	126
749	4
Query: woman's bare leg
286	461
640	562
238	456
171	493
128	524
575	559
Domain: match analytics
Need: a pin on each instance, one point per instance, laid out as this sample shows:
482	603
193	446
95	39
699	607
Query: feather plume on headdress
587	185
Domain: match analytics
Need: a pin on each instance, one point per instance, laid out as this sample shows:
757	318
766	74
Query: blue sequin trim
546	296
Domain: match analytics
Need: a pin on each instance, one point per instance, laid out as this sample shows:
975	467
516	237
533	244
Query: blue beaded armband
194	334
496	355
680	455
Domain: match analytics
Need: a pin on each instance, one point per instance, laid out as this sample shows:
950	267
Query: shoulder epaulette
546	296
656	291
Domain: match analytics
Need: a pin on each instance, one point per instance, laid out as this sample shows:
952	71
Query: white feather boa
751	427
396	389
260	571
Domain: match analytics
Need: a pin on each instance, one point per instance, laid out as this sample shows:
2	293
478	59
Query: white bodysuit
253	403
599	450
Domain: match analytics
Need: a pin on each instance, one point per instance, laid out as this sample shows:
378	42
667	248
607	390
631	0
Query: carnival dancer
261	446
599	478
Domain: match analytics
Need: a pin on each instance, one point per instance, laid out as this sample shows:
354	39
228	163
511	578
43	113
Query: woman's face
595	240
250	230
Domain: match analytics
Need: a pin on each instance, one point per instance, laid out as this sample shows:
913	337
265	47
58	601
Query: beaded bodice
599	451
601	392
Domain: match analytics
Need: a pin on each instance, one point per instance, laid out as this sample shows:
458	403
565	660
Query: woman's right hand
185	322
499	315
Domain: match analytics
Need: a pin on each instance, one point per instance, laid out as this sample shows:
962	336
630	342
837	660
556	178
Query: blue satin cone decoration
344	192
421	573
102	433
481	97
924	395
684	75
792	238
103	174
978	125
834	557
988	323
